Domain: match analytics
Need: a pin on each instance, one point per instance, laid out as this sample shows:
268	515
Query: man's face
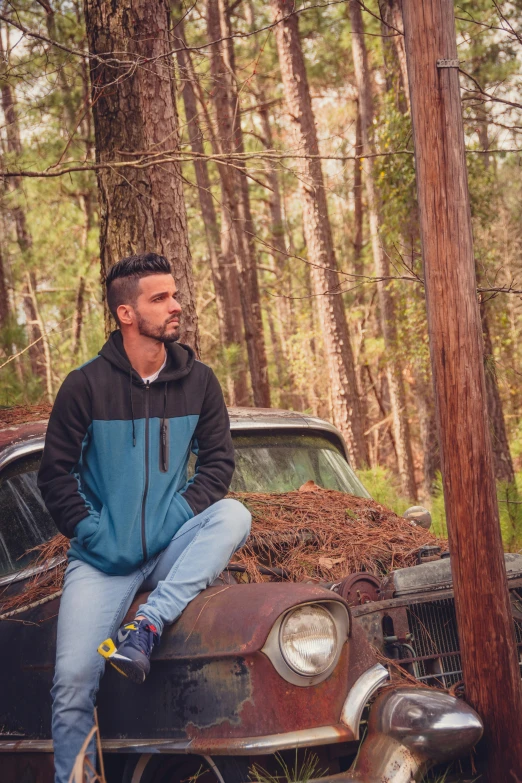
157	311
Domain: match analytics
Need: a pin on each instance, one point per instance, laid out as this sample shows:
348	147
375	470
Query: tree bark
490	660
391	14
224	276
346	405
235	194
358	200
4	294
78	316
37	350
504	470
388	316
423	392
277	238
134	108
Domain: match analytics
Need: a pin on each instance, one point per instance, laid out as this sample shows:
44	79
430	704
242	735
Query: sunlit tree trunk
358	202
392	28
235	193
395	378
346	405
133	98
393	44
224	276
278	249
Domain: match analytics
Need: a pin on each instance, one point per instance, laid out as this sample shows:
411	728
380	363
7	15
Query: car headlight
308	640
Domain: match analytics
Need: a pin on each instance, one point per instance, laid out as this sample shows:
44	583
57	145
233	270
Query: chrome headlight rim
341	615
289	616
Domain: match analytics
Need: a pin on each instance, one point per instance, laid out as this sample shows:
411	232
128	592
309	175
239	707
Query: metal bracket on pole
447	63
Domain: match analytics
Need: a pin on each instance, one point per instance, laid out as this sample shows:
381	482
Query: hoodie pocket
114	546
86	528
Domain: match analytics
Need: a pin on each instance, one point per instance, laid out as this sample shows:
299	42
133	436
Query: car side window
24	520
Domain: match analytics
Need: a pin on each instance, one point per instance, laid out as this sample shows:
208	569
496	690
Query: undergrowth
302	770
383	488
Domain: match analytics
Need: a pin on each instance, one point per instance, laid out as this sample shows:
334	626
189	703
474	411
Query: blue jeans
94	604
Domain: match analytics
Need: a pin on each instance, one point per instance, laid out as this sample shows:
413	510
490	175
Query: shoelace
143	638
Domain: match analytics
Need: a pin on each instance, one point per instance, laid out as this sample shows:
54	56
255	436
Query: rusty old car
260	674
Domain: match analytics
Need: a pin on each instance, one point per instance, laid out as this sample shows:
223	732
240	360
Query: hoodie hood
180	359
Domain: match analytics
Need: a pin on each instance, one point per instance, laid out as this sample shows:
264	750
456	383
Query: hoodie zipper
146	489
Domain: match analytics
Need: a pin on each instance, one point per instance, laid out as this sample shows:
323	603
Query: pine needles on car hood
310	534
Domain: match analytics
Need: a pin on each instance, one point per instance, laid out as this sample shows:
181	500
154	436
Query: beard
166	333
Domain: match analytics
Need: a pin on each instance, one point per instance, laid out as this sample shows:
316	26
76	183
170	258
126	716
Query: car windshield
24	520
281	462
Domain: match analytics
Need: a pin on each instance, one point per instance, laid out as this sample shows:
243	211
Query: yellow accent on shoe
118	669
107	648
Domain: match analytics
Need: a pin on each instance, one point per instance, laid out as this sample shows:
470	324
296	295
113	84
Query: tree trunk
78	316
235	194
37	350
346	405
224	276
32	305
391	13
85	204
428	430
277	241
491	669
4	294
358	202
504	470
134	108
394	374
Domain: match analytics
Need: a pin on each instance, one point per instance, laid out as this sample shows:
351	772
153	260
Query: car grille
435	644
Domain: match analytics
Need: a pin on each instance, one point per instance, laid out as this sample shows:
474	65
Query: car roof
21	434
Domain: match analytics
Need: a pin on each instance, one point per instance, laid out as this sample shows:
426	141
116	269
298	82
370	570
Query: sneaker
132	655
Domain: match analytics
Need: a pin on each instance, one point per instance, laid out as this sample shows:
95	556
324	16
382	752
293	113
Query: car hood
437	575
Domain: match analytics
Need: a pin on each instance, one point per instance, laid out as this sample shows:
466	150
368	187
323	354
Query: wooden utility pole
489	658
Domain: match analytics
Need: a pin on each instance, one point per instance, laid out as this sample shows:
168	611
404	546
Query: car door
27	640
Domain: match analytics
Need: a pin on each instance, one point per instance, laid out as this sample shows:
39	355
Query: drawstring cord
164	430
132	409
163	421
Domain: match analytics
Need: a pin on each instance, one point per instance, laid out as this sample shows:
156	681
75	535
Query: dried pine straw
323	534
45	583
312	533
24	414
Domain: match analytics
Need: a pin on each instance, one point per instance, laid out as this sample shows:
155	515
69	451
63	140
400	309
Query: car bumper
409	730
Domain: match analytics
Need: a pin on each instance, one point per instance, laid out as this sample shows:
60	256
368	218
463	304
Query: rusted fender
212	686
233	619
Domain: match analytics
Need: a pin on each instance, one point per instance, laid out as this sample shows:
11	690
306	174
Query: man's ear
125	314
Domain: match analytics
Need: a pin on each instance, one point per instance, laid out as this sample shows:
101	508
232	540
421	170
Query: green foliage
382	485
304	768
510	512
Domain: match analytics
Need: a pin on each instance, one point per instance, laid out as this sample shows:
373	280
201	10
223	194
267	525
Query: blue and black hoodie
114	468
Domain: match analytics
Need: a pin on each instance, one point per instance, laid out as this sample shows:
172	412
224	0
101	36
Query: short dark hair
122	278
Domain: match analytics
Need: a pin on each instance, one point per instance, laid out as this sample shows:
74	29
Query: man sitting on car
114	478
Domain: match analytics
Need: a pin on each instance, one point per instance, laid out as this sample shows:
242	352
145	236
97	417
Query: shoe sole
128	669
124	666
